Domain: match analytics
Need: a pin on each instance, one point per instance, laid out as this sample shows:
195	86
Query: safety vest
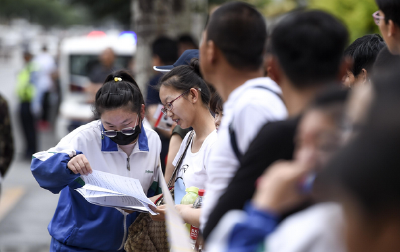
25	87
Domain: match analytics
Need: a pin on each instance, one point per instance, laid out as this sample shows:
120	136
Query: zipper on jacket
125	231
128	166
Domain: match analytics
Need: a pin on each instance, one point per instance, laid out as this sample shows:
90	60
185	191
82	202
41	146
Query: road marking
10	197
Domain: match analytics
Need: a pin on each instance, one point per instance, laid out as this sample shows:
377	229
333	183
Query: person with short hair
216	107
297	43
317	139
117	143
363	51
164	52
387	18
99	71
186	42
364	175
28	103
231	60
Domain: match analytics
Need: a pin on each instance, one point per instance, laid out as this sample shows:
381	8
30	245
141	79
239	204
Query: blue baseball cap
184	59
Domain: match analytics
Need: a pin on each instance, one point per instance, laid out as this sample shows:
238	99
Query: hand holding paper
111	190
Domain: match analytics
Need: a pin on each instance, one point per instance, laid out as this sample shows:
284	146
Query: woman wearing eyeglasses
186	96
118	143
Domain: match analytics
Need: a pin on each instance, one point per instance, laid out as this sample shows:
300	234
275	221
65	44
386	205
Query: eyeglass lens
126	131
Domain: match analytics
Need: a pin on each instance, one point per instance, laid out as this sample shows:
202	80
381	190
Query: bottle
199	200
189	198
194	231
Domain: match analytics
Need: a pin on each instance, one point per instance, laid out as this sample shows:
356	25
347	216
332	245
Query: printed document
106	189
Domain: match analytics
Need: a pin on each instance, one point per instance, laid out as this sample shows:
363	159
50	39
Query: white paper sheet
178	236
108	189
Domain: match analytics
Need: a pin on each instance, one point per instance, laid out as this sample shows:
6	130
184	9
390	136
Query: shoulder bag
146	235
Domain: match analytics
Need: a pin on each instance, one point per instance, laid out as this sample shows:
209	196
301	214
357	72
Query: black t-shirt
181	132
98	73
275	141
153	96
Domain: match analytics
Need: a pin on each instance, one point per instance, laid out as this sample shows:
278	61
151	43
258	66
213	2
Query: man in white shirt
231	59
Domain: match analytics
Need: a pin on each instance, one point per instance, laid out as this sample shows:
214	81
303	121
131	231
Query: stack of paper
106	189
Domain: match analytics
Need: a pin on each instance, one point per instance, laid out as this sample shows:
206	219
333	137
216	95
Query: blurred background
71	45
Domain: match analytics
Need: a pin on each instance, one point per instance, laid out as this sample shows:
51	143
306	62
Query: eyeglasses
126	131
377	17
168	106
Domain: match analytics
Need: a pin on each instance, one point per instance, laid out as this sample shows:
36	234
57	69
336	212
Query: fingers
71	166
161	213
79	165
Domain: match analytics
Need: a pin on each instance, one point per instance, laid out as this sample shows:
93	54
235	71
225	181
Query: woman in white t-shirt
186	96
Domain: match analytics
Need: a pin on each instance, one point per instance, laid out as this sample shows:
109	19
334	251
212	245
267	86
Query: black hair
187	39
364	51
216	103
186	77
166	49
119	90
391	10
239	31
309	47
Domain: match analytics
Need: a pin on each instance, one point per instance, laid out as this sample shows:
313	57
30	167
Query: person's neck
297	100
203	124
229	79
397	50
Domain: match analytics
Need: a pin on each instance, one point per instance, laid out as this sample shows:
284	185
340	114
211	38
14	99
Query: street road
25	208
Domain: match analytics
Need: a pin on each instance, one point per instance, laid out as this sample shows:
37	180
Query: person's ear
392	28
273	68
211	52
362	76
194	95
142	112
347	63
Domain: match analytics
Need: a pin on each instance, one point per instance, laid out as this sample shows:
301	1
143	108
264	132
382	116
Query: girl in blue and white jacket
118	143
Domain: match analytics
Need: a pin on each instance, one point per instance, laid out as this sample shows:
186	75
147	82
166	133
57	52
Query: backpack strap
232	133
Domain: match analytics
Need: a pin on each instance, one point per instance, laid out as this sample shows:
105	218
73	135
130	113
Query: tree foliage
44	12
356	14
118	10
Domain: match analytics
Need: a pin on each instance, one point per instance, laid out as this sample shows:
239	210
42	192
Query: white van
76	54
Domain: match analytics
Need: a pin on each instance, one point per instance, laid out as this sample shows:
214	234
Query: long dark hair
186	77
119	90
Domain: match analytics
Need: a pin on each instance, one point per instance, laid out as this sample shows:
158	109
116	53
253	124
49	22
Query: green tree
45	12
100	11
355	14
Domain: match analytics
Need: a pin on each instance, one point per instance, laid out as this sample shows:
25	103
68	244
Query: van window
80	66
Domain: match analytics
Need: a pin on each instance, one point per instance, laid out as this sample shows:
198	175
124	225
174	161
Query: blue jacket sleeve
51	172
246	236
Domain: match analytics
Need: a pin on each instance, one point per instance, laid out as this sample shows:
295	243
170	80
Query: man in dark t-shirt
295	63
165	52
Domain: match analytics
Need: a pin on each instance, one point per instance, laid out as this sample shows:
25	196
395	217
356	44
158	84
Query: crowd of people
293	136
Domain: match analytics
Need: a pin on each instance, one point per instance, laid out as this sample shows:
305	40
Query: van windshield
84	68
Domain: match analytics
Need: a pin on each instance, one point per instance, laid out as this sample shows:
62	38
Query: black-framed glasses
168	106
126	131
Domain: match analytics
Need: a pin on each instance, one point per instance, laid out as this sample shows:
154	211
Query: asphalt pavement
25	208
